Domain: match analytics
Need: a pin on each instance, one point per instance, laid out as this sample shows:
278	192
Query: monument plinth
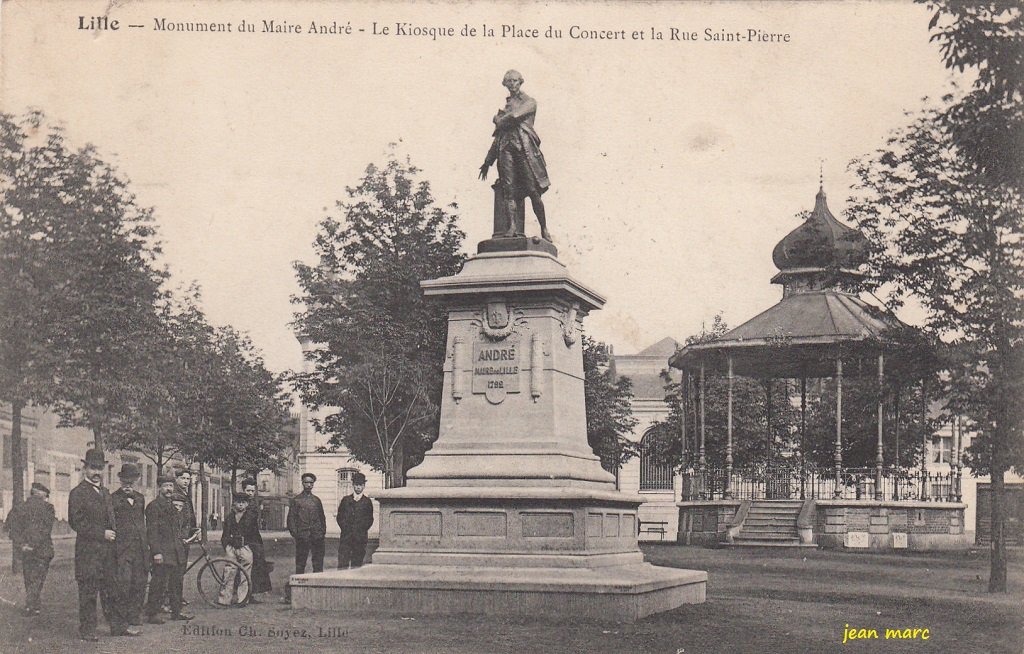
510	510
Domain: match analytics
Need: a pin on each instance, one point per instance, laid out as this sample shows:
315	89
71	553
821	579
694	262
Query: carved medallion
498	320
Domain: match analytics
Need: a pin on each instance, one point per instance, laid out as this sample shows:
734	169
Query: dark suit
30	523
354	519
308	526
90	513
132	552
164	530
260	567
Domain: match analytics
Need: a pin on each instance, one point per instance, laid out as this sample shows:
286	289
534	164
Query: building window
652	475
62	483
42	476
942	449
345	481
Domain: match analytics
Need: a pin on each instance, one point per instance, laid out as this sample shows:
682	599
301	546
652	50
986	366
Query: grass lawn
758	601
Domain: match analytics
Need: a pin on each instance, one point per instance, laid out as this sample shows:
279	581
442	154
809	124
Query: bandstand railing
779	482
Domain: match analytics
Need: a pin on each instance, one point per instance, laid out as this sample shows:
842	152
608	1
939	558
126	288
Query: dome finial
821	175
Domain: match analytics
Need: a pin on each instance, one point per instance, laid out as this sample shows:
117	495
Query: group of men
307	524
124	546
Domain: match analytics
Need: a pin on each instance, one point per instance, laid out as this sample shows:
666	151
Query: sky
675	165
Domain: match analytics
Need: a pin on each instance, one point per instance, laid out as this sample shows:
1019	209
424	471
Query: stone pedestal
510	510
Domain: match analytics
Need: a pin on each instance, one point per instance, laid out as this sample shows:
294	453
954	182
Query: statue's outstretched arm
492	156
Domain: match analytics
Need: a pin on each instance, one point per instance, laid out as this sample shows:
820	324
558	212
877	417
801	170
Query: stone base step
752	542
628	592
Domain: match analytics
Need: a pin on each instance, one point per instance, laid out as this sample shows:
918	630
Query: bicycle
215	574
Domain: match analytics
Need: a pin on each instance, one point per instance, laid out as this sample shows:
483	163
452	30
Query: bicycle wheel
223	577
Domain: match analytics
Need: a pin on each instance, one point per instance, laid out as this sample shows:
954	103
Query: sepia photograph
500	326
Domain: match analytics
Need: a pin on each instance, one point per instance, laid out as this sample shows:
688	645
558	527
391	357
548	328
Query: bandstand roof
801	336
818	320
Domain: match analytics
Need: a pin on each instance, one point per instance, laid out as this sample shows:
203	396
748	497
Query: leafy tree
77	256
379	343
208	396
947	234
610	418
246	426
987	123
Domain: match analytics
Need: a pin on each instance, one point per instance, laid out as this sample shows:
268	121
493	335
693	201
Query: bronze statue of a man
522	172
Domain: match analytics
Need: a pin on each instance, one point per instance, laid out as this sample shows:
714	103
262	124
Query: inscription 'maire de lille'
496	368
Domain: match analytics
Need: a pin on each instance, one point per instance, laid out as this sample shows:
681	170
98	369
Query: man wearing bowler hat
30	523
91	515
131	547
355	516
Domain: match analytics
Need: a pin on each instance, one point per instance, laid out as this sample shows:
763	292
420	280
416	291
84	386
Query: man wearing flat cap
30	523
166	532
307	524
355	516
132	550
91	515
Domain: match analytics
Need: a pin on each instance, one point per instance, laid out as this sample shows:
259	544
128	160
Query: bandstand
821	329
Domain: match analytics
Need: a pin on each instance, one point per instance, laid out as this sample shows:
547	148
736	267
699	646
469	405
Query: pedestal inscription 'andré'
496	369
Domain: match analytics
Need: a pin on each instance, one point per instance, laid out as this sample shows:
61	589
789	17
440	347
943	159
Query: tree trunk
203	501
398	465
1003	381
234	476
17	457
997	562
97	436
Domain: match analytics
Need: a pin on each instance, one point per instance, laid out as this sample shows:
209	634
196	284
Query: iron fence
791	481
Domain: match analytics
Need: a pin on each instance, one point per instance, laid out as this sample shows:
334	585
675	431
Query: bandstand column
958	440
896	428
924	432
727	494
702	461
768	419
803	427
879	456
838	458
682	423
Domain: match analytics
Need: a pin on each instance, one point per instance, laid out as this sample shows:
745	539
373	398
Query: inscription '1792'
496	369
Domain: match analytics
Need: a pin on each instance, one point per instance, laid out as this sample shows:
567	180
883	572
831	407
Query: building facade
52	455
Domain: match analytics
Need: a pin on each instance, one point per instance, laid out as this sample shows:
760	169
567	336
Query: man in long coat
260	567
91	515
30	523
131	547
164	530
355	517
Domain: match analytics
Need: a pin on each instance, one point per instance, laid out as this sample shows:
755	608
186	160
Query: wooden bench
652	527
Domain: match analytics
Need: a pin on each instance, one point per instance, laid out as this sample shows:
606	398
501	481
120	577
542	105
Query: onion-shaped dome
821	242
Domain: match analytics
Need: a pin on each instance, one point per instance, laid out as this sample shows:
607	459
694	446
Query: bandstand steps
770	523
